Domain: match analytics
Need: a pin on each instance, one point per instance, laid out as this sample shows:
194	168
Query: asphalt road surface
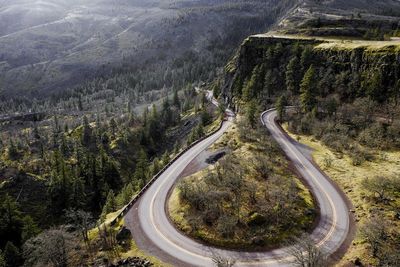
155	234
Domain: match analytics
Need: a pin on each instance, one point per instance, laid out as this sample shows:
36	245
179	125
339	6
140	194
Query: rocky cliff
348	68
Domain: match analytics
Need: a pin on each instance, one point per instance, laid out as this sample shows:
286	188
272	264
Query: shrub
373	136
226	225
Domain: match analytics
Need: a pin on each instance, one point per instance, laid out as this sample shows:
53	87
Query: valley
199	133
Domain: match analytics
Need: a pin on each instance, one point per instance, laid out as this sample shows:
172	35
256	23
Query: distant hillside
46	46
368	19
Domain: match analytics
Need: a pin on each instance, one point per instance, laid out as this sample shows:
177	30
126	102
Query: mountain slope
49	45
356	18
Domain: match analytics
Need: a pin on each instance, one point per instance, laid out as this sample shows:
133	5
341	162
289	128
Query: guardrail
155	177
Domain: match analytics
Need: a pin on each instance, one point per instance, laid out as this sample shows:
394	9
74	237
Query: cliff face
250	54
357	64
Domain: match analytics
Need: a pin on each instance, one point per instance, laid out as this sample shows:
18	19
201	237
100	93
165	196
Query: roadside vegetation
249	199
373	187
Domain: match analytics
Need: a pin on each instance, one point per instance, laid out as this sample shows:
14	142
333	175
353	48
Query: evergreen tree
307	91
175	100
11	223
155	166
110	173
251	113
141	167
95	180
306	58
331	106
30	228
60	184
36	133
292	76
206	117
2	259
204	100
80	104
373	86
165	158
12	255
196	133
86	132
66	128
145	116
280	107
168	118
12	151
154	130
113	126
296	50
326	83
270	58
269	85
127	193
78	196
56	125
110	205
199	131
216	89
63	146
254	85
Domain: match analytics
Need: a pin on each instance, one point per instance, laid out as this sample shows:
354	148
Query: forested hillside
59	171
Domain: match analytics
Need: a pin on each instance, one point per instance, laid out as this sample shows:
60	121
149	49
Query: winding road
154	233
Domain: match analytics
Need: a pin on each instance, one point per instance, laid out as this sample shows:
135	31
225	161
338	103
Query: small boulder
309	212
133	262
214	158
258	241
357	262
123	234
256	219
211	217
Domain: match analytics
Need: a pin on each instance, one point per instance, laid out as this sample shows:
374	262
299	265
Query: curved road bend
166	242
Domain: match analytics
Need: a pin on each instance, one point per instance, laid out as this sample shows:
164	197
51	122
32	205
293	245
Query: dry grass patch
341	169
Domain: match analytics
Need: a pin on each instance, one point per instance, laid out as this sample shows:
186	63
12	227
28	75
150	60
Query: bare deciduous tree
374	231
220	261
83	221
53	247
381	186
306	253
